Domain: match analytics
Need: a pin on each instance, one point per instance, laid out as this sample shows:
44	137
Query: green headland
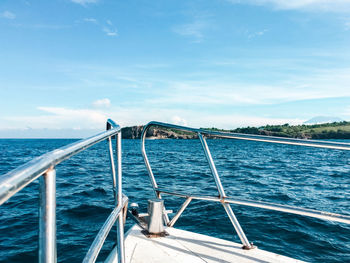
334	130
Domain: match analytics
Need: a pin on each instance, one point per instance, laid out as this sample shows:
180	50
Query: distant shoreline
335	130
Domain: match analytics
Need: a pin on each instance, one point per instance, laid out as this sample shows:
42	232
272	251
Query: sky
71	64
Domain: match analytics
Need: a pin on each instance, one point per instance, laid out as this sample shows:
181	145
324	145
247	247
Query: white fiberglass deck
184	246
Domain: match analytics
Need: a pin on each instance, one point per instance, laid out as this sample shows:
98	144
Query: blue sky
224	63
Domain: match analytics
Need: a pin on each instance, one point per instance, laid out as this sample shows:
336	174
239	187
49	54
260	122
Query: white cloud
197	99
86	118
257	34
70	118
347	25
216	91
91	20
110	32
110	29
84	2
308	5
8	15
102	103
287	81
107	27
178	120
194	29
60	117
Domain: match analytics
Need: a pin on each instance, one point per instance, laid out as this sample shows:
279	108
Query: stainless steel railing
43	167
225	200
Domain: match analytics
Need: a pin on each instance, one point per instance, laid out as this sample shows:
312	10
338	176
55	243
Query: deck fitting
151	235
250	247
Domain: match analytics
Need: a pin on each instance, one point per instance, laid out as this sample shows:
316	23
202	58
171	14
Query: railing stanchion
114	177
150	173
222	194
178	214
117	191
121	251
212	166
47	217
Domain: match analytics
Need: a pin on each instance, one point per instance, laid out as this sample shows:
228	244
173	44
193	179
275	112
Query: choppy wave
292	175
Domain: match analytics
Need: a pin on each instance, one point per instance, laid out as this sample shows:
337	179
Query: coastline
336	130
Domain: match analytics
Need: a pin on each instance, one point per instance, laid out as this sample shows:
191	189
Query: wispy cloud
107	27
90	20
213	89
205	100
67	117
347	25
307	5
70	118
60	117
7	15
256	34
178	120
110	29
195	30
84	2
217	91
102	103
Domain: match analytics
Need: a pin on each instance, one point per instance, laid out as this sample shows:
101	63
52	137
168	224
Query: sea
284	174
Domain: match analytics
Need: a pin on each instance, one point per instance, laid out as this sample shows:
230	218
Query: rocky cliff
154	132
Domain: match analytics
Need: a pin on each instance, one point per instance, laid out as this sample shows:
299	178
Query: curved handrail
101	236
44	167
267	205
15	180
224	199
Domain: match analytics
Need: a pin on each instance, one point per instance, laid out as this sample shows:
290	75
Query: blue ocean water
292	175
